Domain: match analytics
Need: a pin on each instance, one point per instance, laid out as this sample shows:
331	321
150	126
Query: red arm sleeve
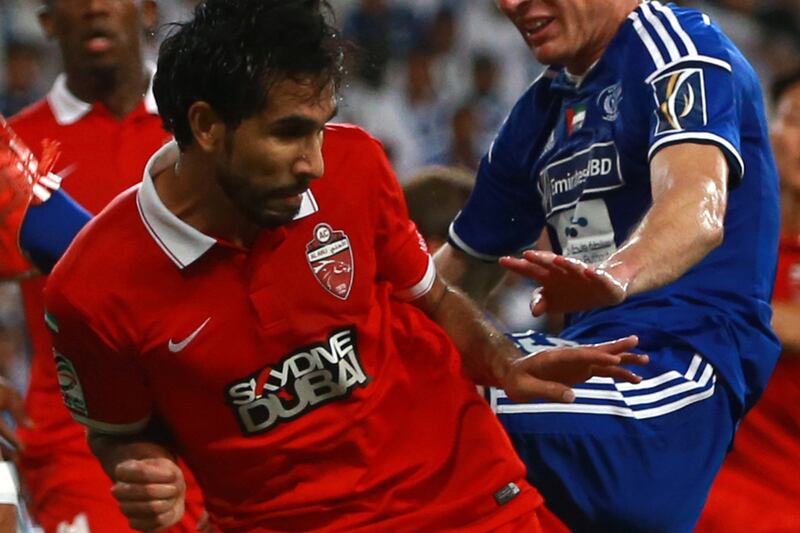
102	385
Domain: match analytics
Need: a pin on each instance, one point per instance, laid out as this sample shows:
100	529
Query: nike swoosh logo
176	347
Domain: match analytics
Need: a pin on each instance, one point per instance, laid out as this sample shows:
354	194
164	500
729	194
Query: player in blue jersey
643	151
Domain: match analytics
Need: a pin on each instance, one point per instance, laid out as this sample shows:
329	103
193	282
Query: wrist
621	273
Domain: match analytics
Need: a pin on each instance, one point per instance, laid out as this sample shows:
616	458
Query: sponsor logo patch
331	260
680	100
302	381
70	385
595	169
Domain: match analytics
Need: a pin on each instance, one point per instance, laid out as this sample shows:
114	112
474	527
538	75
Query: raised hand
150	492
567	284
549	374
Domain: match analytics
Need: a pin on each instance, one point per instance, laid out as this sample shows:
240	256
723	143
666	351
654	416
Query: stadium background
433	79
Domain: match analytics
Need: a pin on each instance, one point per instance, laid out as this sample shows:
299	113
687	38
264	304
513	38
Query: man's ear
45	15
149	15
207	126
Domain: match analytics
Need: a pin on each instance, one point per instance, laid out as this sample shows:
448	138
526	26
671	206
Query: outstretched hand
566	284
150	492
549	374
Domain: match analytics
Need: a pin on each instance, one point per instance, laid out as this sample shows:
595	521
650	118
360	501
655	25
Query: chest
274	333
592	175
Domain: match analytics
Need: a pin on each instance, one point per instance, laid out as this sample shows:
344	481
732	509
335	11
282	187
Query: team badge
609	101
331	260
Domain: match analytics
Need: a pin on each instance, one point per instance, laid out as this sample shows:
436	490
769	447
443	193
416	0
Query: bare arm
683	225
476	278
491	359
148	484
785	319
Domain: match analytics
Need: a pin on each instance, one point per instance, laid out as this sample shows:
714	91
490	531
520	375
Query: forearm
112	450
684	224
785	319
475	278
486	353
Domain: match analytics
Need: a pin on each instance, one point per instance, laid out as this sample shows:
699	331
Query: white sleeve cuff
422	287
8	484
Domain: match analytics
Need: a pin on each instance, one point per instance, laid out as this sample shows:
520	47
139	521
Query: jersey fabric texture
302	390
101	156
574	155
762	471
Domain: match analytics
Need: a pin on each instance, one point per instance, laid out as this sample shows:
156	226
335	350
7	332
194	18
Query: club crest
331	260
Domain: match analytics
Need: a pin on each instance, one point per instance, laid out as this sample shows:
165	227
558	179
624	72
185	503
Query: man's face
271	158
564	32
786	137
97	34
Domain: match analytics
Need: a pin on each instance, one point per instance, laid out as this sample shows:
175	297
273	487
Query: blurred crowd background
433	79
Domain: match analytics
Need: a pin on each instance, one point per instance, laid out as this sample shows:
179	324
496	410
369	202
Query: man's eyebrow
302	121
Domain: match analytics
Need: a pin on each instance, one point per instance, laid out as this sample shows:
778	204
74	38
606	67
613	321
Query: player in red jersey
263	306
104	118
758	488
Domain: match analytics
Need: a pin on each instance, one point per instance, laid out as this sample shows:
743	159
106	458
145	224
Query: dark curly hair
233	51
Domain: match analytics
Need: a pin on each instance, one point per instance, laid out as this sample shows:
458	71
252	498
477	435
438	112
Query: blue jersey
574	156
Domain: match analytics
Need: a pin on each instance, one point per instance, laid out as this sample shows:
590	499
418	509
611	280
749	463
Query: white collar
181	242
68	108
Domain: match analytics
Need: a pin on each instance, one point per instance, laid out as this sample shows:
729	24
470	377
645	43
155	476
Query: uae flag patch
576	115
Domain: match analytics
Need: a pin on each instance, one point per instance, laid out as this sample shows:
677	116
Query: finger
147	471
623	344
634	359
147	510
144	492
525	268
571	265
545	260
538	303
618	373
529	387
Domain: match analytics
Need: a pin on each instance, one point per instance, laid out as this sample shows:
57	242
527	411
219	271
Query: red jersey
301	388
101	156
762	472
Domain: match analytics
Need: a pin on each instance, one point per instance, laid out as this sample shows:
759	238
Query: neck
191	191
605	33
790	211
119	89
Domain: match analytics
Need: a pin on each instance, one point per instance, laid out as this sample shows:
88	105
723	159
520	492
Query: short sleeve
401	253
102	386
504	213
694	89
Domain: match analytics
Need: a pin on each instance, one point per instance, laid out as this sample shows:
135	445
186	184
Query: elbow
711	237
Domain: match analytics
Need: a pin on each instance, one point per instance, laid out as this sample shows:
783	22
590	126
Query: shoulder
350	149
36	117
659	38
349	136
109	243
